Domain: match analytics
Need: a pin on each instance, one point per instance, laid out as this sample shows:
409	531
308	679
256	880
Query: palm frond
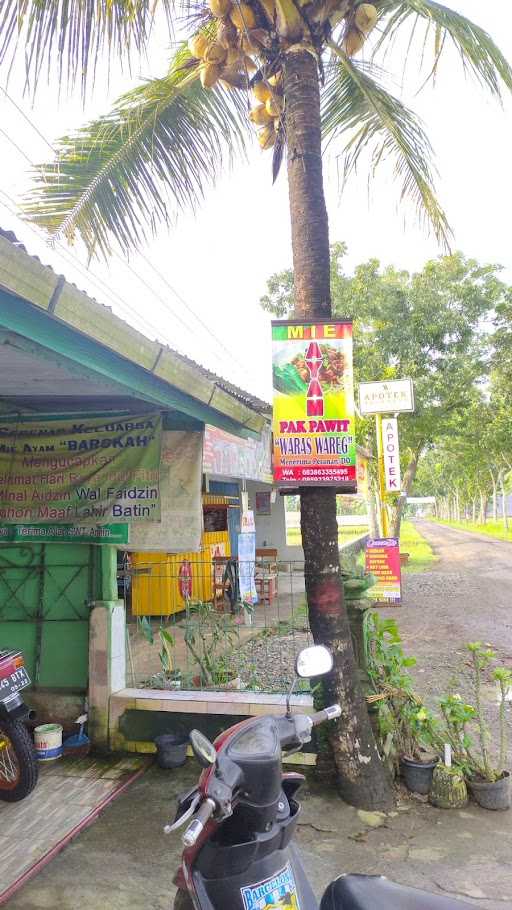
121	175
356	104
75	32
478	52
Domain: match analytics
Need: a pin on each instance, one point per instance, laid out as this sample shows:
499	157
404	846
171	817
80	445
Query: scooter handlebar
329	713
198	824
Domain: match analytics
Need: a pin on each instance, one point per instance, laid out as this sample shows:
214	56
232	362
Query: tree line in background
449	328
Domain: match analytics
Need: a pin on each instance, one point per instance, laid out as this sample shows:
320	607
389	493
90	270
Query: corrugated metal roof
246	398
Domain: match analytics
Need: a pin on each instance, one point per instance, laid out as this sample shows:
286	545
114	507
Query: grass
294	539
491	528
411	541
421	554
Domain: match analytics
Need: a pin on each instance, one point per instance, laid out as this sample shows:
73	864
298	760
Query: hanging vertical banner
313	404
246	566
391	454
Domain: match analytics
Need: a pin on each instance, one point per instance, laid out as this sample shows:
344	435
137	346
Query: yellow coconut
266	137
209	74
219	8
242	17
366	17
273	106
261	92
215	53
353	42
197	45
260	116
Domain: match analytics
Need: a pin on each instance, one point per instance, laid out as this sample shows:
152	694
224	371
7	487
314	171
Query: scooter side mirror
313	661
203	749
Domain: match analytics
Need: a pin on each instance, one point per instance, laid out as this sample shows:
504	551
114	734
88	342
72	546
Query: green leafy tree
468	466
427	326
121	176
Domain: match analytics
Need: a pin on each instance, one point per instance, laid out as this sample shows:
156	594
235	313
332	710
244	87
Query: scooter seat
375	892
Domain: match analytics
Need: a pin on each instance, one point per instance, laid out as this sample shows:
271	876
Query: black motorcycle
239	852
18	761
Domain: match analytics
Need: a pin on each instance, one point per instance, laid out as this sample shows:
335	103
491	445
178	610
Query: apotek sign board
389	397
391	454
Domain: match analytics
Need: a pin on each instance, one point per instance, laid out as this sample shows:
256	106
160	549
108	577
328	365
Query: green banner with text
70	471
113	534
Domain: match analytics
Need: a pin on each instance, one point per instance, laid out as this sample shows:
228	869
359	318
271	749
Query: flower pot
417	775
449	789
492	794
171	750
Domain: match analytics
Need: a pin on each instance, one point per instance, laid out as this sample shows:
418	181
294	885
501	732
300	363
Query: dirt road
466	597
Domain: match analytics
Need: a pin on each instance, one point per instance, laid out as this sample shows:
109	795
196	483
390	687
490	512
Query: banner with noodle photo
313	404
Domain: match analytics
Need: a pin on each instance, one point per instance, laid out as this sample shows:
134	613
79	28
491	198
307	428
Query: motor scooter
18	762
238	847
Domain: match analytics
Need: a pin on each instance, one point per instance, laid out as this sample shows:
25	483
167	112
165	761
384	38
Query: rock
372	819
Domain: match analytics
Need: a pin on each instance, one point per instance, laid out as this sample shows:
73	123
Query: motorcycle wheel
18	763
182	901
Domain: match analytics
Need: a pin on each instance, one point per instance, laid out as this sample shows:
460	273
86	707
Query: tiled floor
69	795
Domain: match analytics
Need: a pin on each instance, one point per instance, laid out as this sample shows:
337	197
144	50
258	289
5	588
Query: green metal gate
46	592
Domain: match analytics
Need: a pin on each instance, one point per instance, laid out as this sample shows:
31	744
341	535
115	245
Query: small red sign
185	579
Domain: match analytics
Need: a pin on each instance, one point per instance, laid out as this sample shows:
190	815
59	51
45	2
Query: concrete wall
271	529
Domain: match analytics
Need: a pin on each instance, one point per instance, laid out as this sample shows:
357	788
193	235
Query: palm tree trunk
363	780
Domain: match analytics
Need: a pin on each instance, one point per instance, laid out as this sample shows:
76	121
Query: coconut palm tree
123	175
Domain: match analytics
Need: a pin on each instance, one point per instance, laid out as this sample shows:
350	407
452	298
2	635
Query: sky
213	266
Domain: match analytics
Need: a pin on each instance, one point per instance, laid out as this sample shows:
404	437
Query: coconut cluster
360	25
227	56
228	47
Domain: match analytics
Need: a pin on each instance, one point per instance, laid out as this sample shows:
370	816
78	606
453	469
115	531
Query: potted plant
488	781
210	638
416	735
405	728
467	731
169	676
